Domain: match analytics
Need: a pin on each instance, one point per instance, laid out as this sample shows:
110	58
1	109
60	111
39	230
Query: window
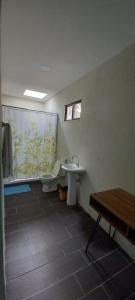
73	111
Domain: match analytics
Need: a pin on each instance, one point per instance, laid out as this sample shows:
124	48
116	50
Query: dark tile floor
45	258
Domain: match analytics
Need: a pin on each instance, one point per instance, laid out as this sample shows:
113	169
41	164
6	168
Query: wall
104	137
2	243
2	246
22	103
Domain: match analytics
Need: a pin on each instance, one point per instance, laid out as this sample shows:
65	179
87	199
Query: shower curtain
33	141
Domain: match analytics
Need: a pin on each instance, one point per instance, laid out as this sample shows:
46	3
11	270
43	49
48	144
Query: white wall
22	103
104	137
2	235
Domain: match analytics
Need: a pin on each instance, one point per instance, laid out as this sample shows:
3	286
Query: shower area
34	139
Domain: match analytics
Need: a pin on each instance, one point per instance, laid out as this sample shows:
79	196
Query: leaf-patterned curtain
33	141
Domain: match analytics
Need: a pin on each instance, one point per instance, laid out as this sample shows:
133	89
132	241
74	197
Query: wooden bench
118	208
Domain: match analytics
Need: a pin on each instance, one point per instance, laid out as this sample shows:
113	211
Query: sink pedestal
72	172
72	188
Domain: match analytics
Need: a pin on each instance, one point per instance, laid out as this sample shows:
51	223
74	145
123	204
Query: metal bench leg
114	233
110	227
93	233
110	230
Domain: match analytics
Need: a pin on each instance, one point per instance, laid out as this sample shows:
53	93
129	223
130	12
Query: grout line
102	257
68	232
59	244
41	216
78	282
50	286
101	284
89	292
38	234
117	273
84	256
94	262
32	252
48	263
132	294
38	267
12	214
71	224
110	298
123	256
31	218
64	252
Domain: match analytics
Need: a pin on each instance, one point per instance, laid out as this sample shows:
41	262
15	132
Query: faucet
76	159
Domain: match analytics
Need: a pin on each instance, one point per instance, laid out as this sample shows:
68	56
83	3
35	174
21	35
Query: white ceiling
71	37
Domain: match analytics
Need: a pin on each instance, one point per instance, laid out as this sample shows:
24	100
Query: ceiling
69	37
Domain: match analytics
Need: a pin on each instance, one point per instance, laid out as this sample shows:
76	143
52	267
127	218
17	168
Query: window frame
73	109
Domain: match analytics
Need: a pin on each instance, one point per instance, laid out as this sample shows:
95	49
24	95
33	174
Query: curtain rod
40	111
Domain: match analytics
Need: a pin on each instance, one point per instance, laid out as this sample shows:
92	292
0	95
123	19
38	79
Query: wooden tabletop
119	202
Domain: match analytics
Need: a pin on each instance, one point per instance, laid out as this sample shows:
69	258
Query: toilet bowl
50	181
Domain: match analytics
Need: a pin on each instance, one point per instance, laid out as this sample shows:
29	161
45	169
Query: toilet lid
56	168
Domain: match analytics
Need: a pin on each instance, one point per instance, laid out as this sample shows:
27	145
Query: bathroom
102	139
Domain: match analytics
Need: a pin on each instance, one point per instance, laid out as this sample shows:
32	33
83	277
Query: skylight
34	94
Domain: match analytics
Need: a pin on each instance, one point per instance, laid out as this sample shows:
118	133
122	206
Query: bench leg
110	227
114	233
93	233
110	230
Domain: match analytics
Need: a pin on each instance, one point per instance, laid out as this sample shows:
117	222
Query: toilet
50	181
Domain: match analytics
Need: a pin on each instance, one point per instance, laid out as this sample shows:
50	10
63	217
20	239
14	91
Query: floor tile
55	200
41	278
29	231
17	237
34	207
45	252
122	285
85	223
10	211
26	264
101	248
18	251
67	289
67	210
131	297
10	228
35	244
19	200
72	218
79	241
74	243
98	272
127	257
97	294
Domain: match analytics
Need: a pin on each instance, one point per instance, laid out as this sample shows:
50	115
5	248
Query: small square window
73	111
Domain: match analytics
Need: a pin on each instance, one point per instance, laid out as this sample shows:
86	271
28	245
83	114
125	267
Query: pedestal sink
72	171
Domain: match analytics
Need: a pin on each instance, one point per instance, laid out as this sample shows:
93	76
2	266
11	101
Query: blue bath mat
16	189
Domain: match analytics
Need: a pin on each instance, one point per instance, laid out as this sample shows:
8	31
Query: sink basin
72	168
